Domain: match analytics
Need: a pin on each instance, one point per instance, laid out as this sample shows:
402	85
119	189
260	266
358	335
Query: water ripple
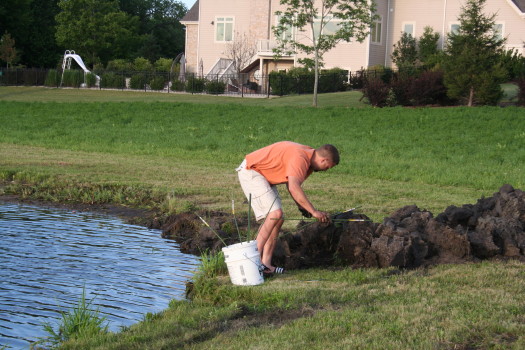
47	257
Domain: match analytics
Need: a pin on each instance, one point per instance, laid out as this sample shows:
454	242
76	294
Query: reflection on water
47	256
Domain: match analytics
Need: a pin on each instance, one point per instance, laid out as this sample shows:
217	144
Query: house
211	25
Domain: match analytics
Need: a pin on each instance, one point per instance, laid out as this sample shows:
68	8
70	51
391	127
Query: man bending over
287	163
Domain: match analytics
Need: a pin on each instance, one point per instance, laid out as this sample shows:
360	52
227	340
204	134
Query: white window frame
451	27
224	21
328	20
501	33
405	24
289	34
375	33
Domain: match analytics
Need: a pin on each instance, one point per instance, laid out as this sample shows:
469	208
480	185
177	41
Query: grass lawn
177	152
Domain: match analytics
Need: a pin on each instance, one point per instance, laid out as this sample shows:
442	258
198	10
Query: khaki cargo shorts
265	197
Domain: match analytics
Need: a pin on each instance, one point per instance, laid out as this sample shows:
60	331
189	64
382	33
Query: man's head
325	157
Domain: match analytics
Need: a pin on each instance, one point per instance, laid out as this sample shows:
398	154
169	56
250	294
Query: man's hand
321	216
305	212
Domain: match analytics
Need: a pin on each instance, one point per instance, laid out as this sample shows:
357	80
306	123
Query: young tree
7	49
472	64
320	25
240	51
428	47
405	51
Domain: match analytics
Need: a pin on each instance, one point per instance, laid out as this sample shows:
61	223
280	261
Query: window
331	26
375	31
224	29
454	28
498	30
288	33
409	28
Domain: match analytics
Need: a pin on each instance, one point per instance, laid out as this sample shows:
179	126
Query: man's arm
297	193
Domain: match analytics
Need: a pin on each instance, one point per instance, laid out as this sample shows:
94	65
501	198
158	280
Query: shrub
73	78
280	83
401	89
52	78
157	83
521	91
91	79
215	87
195	84
163	65
138	81
377	92
142	64
112	81
119	65
178	85
333	80
428	88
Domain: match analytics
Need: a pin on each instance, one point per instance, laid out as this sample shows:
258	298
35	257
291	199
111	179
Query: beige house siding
441	14
192	39
255	18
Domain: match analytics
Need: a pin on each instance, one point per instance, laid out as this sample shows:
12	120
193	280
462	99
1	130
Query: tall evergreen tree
472	64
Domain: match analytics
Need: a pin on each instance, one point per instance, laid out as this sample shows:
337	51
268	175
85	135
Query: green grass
432	157
33	94
178	152
78	323
471	306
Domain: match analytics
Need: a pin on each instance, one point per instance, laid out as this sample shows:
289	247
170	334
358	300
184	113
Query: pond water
49	256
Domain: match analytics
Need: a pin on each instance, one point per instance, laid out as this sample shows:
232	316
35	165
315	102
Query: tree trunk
316	78
471	97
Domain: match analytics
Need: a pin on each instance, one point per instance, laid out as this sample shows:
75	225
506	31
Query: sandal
269	273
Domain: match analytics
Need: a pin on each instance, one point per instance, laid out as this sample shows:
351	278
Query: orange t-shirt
282	159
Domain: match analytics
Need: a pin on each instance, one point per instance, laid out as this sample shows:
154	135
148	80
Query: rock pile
493	227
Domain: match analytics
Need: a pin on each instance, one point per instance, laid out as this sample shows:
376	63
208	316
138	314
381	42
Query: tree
405	51
320	26
162	34
473	70
96	29
428	51
240	51
7	49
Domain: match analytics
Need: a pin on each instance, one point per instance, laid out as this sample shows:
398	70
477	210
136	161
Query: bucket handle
259	266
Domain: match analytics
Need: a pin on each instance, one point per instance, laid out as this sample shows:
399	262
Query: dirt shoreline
492	228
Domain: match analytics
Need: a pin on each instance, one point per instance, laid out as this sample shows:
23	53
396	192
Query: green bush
112	81
215	87
333	80
91	79
163	65
178	85
52	78
73	78
138	81
142	64
280	83
195	84
157	83
521	91
119	65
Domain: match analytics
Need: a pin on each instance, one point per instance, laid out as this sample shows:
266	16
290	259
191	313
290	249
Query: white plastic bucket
244	263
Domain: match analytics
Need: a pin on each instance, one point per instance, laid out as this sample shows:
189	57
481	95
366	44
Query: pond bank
492	228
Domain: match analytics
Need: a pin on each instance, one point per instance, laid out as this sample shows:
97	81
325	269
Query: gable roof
193	14
520	4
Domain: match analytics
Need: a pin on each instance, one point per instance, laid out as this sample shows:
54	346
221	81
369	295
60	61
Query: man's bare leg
267	237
